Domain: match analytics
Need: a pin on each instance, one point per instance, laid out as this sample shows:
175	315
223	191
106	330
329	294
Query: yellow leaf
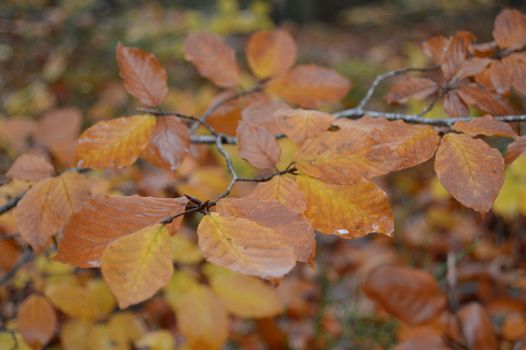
180	283
102	337
13	340
271	53
127	326
157	340
74	335
114	143
349	211
283	189
184	251
136	266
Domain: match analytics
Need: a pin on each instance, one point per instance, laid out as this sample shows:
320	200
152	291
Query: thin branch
429	107
11	203
230	167
26	257
289	170
159	113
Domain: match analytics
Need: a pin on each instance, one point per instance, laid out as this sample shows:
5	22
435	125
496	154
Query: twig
289	170
26	257
11	203
230	167
429	107
159	113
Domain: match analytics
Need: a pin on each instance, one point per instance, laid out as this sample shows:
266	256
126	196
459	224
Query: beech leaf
30	167
283	189
487	126
257	145
36	320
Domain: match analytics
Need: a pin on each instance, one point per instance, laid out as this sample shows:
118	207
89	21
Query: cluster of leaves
320	181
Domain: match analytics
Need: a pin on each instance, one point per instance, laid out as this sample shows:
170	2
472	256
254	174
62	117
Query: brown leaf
265	113
509	29
498	76
114	143
103	220
411	295
58	126
16	132
454	106
283	189
487	126
489	102
271	53
45	207
514	71
168	144
9	254
470	170
435	47
143	75
302	124
36	320
471	67
257	145
515	149
410	87
29	167
310	86
213	58
456	53
476	328
244	246
293	228
349	211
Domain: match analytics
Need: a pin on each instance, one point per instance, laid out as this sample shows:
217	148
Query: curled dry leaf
29	167
410	87
103	220
244	246
137	265
514	72
456	52
114	143
487	126
477	328
489	102
345	156
257	145
283	189
168	144
498	77
36	320
46	207
310	86
509	29
292	228
271	53
471	67
213	59
265	114
435	47
349	211
515	149
411	295
302	124
454	106
143	75
470	170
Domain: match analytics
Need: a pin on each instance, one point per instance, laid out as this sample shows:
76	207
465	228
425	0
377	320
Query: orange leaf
283	189
114	143
411	295
243	245
409	87
470	170
515	149
103	220
168	144
29	167
301	124
471	67
456	52
213	58
271	53
486	125
143	75
477	328
136	266
58	126
349	211
435	47
292	228
257	146
36	320
490	102
454	106
46	207
265	114
509	29
310	86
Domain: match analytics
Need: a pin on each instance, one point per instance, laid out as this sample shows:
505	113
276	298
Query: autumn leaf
410	87
114	143
471	67
29	167
470	170
349	211
143	75
487	126
270	54
477	327
283	189
310	86
36	320
46	207
257	146
265	114
157	340
58	126
301	124
515	149
411	295
456	52
103	220
168	144
213	59
454	106
489	102
137	265
292	228
244	246
509	29
435	48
